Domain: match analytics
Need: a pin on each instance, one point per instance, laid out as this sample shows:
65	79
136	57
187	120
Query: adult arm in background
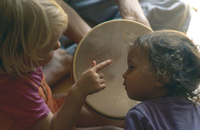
77	27
132	10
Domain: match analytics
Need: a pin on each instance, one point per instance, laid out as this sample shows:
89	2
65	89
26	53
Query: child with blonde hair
29	34
164	74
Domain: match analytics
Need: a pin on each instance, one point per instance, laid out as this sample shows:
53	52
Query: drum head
109	40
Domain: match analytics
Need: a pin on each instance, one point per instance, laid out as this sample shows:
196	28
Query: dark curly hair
173	53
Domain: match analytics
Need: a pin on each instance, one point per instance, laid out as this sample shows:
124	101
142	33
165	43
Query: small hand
91	81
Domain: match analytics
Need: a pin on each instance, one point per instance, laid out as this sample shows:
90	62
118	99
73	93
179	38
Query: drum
109	40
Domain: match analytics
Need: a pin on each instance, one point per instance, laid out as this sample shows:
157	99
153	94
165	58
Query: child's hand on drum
91	81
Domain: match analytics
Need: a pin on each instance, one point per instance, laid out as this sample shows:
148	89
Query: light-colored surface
108	41
194	27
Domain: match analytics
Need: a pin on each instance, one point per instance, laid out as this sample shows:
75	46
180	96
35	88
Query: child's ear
163	79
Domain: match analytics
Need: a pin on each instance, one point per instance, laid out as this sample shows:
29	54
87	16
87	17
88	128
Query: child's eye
130	67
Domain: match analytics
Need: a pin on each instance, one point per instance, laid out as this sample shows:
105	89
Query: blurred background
194	27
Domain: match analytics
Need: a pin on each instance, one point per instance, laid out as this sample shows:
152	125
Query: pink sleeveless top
25	101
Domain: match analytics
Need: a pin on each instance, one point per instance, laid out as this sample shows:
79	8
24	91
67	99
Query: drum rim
117	20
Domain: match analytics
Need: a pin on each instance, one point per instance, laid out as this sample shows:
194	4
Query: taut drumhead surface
109	41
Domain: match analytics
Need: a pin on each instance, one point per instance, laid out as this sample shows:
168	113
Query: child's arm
88	83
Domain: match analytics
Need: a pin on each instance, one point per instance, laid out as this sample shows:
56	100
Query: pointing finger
101	65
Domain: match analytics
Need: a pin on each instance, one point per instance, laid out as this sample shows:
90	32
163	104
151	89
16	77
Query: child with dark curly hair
164	74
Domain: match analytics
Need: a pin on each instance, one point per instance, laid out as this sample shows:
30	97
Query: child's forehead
137	50
137	54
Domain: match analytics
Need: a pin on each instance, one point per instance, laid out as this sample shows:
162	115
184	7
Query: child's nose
124	75
57	46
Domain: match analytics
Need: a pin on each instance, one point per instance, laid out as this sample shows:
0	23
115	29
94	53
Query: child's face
47	53
139	80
